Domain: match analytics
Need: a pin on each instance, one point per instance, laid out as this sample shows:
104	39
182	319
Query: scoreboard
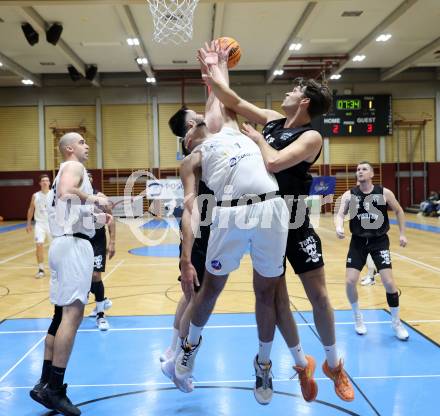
358	115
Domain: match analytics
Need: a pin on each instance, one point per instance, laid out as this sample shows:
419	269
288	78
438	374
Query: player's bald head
68	140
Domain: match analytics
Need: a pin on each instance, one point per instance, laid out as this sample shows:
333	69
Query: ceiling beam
22	3
19	70
379	29
38	23
283	56
219	12
410	60
132	31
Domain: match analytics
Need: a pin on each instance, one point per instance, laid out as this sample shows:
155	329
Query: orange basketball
234	52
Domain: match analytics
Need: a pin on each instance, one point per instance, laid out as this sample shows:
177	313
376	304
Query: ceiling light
295	46
352	13
151	80
1	64
278	72
358	58
133	41
142	61
384	37
27	82
336	76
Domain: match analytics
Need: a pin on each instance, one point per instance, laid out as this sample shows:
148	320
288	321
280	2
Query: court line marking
166	328
412	376
417	262
22	358
18	255
112	270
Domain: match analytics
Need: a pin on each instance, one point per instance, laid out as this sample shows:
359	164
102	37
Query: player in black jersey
100	251
290	146
184	307
367	205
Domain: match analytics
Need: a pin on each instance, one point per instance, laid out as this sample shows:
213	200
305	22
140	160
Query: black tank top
368	213
296	180
100	231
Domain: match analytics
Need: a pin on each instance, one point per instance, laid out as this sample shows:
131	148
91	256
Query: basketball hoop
172	20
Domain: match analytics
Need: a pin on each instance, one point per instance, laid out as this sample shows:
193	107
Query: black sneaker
59	401
35	394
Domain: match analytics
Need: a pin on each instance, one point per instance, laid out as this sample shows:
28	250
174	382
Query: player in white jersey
38	210
248	211
72	224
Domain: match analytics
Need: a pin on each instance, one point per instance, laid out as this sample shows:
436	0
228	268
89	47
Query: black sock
56	377
100	315
98	290
45	372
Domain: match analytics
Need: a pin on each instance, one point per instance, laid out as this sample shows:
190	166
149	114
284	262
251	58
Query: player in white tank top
71	264
233	168
38	210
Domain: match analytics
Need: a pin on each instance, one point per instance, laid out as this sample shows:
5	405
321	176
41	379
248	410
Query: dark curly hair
177	122
319	95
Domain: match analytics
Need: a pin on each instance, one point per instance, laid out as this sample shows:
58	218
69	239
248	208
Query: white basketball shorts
71	268
262	226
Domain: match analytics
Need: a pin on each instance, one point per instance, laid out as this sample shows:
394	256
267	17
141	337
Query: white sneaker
40	274
400	331
166	355
168	370
359	325
107	305
263	388
186	359
102	324
368	280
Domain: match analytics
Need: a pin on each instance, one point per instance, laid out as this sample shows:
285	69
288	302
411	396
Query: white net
173	20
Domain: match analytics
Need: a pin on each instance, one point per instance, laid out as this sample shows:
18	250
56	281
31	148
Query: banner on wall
323	185
165	189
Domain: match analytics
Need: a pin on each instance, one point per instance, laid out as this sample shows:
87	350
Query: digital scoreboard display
358	115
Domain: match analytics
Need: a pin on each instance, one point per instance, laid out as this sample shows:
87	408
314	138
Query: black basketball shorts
378	247
304	250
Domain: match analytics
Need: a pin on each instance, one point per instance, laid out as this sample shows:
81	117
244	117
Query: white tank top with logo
67	217
232	166
41	202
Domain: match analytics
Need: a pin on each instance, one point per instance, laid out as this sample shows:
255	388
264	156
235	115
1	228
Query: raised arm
189	173
395	206
305	148
30	214
340	216
212	74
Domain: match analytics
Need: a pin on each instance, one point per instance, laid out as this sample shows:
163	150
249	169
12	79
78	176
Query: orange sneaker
309	388
343	387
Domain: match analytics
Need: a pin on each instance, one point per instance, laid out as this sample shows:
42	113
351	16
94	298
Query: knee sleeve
56	320
98	290
393	299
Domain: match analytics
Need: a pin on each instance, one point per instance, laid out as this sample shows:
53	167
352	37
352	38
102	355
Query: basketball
235	51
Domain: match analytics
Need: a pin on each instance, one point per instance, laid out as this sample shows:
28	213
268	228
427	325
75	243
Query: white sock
355	308
395	313
194	334
264	349
178	348
100	306
174	340
299	356
40	266
332	355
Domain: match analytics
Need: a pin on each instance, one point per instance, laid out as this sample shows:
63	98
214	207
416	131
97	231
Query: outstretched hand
253	134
